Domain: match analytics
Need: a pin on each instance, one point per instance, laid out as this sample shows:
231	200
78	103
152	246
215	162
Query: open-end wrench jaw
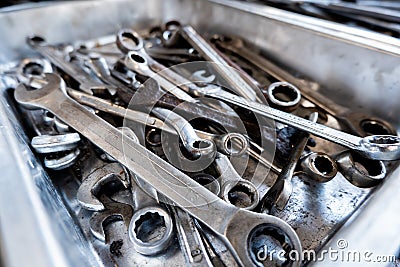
31	99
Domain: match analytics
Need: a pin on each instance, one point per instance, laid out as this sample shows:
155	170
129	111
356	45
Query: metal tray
356	68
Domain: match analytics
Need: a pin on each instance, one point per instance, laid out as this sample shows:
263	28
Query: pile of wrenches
178	124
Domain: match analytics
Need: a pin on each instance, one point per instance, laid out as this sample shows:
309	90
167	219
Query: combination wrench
233	225
358	123
379	147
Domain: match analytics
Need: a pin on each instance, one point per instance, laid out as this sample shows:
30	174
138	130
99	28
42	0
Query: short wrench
233	144
278	195
231	224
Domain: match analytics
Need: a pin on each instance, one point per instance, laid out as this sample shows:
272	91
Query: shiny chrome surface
326	45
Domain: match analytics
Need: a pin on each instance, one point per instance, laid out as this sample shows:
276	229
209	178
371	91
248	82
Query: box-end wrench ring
236	227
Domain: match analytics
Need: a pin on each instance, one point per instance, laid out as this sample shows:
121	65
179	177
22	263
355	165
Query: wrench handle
341	138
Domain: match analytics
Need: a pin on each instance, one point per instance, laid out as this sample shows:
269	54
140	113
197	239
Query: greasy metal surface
314	209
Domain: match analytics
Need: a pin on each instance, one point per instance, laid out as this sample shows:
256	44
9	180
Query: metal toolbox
356	68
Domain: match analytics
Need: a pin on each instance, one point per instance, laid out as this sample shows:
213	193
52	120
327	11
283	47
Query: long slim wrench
86	82
235	81
278	195
231	224
354	121
380	147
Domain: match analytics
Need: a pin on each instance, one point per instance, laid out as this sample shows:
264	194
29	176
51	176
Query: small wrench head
198	76
319	167
139	233
232	144
128	40
360	171
232	192
115	211
135	61
92	184
284	96
381	147
55	143
57	162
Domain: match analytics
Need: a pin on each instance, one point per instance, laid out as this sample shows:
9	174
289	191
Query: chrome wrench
354	121
86	82
231	224
379	147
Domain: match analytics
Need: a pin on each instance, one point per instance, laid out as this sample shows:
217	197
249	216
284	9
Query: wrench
379	147
61	162
357	123
231	183
30	71
278	195
142	61
231	224
86	194
85	81
234	80
114	211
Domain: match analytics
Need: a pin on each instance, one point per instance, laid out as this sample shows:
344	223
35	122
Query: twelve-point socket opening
150	227
242	195
131	39
323	164
269	246
367	166
374	127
